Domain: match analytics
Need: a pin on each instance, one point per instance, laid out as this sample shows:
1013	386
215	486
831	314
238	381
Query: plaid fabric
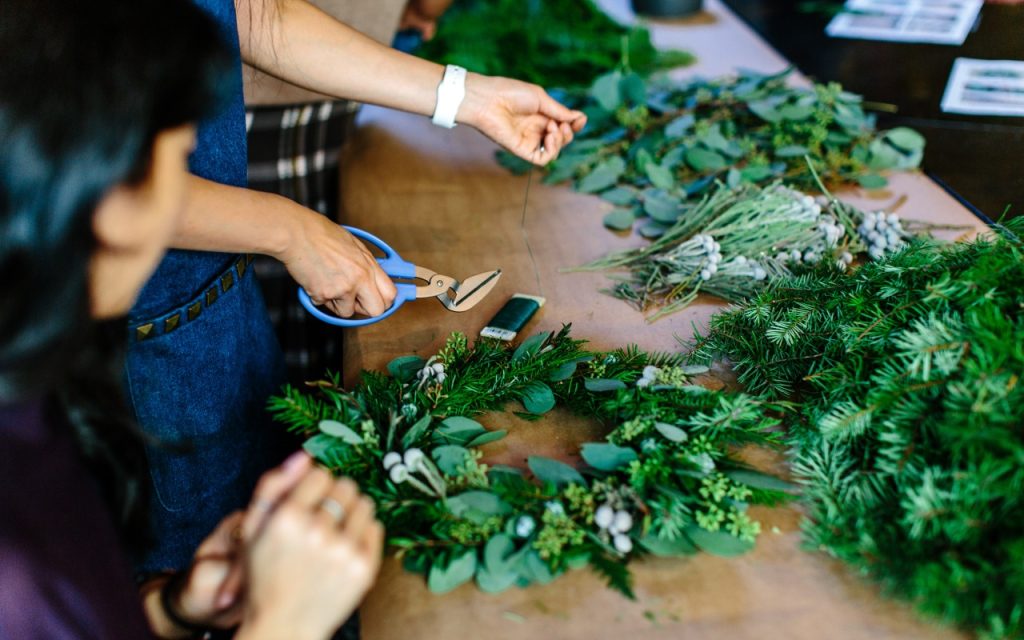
294	151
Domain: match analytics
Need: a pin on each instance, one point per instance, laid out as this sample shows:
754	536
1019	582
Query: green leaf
416	431
872	181
619	195
606	456
499	553
796	111
671	432
678	127
319	446
652	229
457	430
487	438
459	571
660	176
477	506
405	367
563	372
606	91
604	175
553	471
718	543
759	480
705	160
530	346
620	218
598	385
792	151
756	173
491	581
663	548
538	398
449	458
905	138
336	429
532	567
661	206
633	89
765	109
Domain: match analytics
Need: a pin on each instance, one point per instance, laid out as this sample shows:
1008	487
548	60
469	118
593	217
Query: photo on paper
929	21
985	87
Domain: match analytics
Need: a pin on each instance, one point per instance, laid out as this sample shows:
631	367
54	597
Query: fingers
311	490
345	493
273	487
373	540
225	538
360	518
556	110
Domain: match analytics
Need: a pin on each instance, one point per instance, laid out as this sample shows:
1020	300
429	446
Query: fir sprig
909	429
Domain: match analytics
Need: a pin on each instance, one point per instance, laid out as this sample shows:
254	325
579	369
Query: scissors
454	295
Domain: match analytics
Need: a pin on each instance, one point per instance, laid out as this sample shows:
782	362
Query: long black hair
85	87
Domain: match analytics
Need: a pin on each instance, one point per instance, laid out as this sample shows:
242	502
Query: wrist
474	104
259	627
292	231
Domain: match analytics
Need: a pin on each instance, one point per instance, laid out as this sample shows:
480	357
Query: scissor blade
474	289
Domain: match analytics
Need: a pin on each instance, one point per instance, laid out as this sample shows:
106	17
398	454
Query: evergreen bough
908	428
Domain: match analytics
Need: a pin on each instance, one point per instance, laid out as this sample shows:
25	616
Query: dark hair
85	87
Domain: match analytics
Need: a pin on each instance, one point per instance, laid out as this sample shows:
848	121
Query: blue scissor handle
392	264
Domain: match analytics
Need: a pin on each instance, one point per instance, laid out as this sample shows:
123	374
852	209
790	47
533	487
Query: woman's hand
313	551
519	116
335	268
423	15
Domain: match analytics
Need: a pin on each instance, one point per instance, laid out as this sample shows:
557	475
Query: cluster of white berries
743	266
713	252
647	379
525	526
881	232
802	207
617	524
431	372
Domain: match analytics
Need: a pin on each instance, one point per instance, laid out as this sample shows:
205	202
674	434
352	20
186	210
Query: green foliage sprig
662	482
648	149
554	43
909	430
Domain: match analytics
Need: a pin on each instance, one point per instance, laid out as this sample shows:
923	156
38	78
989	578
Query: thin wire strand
522	227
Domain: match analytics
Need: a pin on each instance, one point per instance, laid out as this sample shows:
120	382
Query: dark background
978	158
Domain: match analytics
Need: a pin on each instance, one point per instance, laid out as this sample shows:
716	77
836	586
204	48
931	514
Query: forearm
295	41
235	220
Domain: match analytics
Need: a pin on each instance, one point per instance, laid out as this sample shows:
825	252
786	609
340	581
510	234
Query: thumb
556	110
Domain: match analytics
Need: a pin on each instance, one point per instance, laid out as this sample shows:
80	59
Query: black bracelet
168	592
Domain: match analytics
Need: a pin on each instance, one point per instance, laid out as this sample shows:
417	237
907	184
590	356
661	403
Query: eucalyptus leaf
705	160
872	181
460	570
719	543
653	229
564	372
606	456
599	385
905	139
530	347
538	398
791	151
499	552
457	430
606	91
660	176
449	458
477	505
680	125
620	218
604	175
633	89
319	446
668	548
487	438
337	430
671	432
619	195
662	207
416	431
491	581
553	471
534	569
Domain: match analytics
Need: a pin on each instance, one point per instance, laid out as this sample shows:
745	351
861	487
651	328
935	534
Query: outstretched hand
519	116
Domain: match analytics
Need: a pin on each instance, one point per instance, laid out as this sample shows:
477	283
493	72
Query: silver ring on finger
333	508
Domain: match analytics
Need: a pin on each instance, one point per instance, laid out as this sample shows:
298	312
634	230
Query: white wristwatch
450	94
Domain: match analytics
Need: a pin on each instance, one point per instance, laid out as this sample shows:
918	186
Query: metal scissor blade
472	290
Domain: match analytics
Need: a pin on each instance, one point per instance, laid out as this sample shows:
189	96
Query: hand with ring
313	549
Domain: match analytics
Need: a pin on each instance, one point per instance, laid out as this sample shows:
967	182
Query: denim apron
202	361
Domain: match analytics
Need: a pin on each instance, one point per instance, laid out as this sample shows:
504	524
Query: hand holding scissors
454	295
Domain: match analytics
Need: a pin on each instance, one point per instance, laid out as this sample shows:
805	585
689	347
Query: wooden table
439	198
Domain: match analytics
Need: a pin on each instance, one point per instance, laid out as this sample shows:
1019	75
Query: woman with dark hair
97	102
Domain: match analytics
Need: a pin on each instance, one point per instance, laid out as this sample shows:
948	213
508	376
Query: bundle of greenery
554	43
909	421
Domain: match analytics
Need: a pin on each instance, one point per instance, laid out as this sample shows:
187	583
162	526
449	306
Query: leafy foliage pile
662	482
554	43
910	427
669	143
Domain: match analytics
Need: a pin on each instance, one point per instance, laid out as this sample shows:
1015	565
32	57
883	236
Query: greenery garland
554	43
662	482
909	425
647	149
